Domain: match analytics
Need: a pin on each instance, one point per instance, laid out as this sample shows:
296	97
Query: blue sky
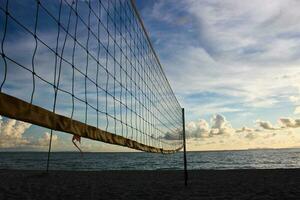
228	57
235	59
234	66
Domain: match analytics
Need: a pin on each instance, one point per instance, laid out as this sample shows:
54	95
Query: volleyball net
87	68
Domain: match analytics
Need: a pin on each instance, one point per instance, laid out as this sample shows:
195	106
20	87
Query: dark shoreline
159	184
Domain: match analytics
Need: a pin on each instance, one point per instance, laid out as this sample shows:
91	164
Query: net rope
87	68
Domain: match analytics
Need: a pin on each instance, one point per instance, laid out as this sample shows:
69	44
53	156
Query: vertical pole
49	150
184	149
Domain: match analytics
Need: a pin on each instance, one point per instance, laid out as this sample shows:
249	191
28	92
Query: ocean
246	159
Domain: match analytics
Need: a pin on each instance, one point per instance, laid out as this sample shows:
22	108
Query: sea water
246	159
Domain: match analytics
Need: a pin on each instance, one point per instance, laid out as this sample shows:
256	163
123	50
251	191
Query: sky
233	65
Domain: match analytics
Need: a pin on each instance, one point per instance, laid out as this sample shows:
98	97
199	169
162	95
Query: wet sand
131	185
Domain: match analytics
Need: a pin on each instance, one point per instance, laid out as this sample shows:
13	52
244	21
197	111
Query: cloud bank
202	129
220	126
12	135
220	135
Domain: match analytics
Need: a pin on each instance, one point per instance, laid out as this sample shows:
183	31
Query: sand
131	185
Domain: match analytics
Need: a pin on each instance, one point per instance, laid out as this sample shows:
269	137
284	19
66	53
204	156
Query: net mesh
86	68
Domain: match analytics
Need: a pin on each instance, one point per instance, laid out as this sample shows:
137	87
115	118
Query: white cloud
294	99
283	123
234	26
220	126
44	140
197	129
201	129
297	110
12	135
244	129
265	125
289	122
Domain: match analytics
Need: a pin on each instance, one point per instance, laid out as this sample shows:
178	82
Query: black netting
90	61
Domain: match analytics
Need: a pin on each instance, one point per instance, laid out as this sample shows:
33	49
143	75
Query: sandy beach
203	184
